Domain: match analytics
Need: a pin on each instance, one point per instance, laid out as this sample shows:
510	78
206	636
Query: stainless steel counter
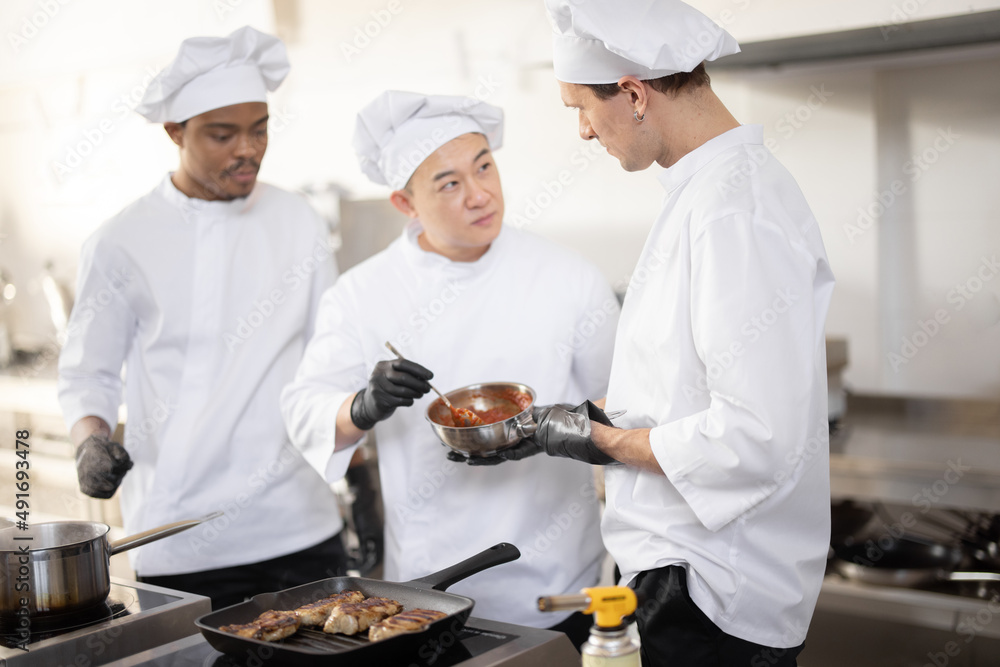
871	626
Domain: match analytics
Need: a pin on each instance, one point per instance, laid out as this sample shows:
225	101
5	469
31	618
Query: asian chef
206	290
473	300
721	515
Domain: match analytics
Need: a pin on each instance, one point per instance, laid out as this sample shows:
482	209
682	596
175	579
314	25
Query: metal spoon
462	416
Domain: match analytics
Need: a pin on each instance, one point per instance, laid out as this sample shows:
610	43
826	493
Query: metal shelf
950	31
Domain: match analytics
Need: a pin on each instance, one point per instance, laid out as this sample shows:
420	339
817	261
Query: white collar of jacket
204	207
677	174
431	261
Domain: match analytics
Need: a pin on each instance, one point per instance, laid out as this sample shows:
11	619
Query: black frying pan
906	561
314	647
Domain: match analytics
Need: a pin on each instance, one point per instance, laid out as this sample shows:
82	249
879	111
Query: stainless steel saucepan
486	439
66	567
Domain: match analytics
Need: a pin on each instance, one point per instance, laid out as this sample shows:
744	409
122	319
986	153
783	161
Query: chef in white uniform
721	516
473	300
206	290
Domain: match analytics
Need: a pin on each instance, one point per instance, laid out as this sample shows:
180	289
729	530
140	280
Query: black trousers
674	632
576	626
230	585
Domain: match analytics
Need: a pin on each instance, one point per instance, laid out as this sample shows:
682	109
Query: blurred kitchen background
886	111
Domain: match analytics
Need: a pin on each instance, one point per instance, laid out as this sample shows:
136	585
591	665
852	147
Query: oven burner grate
44	627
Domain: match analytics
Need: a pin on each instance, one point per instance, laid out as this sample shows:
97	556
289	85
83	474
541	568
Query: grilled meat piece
316	613
270	626
414	620
350	619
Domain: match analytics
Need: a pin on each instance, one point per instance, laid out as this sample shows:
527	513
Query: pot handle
498	554
973	576
528	426
153	534
525	428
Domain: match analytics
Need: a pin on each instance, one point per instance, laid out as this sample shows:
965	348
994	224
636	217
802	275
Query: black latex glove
367	523
100	466
393	384
562	431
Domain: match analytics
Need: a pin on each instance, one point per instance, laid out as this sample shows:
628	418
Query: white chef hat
600	41
213	72
398	130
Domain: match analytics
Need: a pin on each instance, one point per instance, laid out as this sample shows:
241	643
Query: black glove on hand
100	466
562	431
367	524
474	460
393	384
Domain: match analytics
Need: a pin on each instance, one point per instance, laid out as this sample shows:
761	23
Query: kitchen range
136	617
143	624
912	575
140	624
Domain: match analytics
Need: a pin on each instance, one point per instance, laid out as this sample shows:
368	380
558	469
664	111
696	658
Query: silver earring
637	118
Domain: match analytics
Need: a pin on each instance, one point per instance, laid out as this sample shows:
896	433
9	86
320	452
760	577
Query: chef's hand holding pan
562	431
101	465
393	384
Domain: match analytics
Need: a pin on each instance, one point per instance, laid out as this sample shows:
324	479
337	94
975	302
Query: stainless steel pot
489	438
66	567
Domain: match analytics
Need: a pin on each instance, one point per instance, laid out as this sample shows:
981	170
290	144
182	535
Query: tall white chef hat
398	130
600	41
213	72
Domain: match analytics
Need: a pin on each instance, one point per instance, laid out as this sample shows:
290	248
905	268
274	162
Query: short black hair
672	83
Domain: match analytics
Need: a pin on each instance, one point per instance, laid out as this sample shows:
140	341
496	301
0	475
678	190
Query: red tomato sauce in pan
493	415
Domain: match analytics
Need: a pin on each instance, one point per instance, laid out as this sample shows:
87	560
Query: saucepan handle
973	576
498	554
133	541
528	426
525	428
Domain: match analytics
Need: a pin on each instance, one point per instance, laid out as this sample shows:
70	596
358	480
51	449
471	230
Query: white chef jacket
527	311
209	304
720	351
